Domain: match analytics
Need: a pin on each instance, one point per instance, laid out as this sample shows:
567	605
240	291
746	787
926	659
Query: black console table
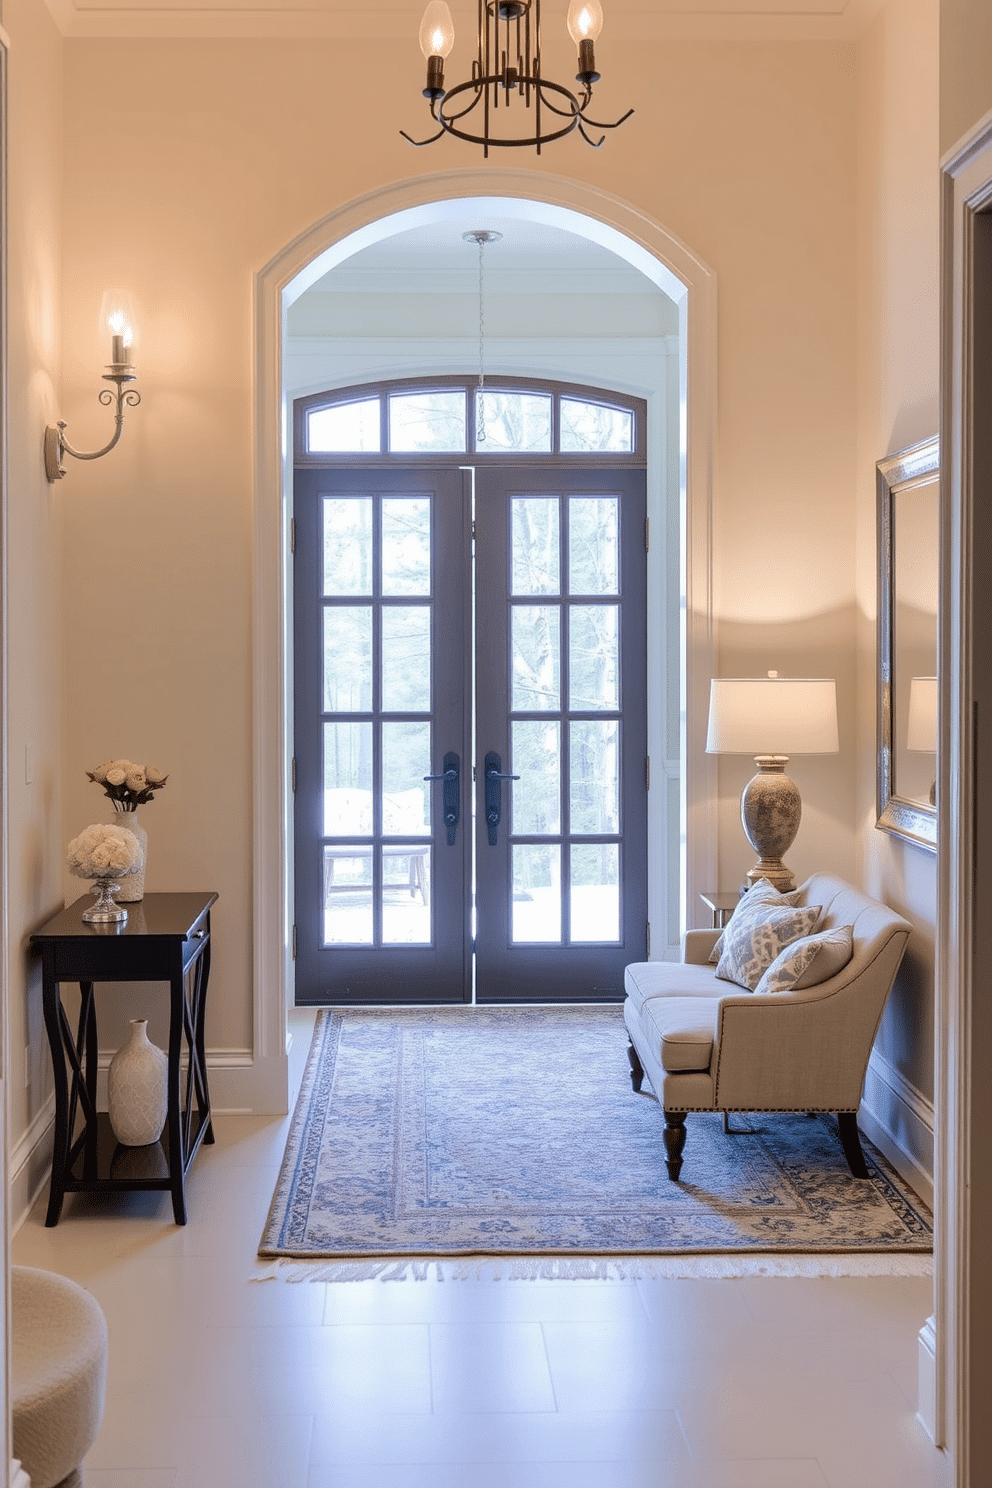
166	938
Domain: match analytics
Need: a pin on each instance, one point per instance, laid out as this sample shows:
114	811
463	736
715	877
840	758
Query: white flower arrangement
128	785
104	851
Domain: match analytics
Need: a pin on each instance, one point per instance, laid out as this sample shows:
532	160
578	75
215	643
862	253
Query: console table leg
174	1120
60	1153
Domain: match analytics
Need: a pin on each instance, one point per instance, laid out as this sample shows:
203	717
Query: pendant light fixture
481	237
508	63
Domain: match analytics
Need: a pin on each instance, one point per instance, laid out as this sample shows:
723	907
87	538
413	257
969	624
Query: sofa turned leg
847	1122
636	1068
674	1142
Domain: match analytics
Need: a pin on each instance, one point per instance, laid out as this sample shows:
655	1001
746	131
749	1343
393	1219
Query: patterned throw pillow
760	895
751	943
807	962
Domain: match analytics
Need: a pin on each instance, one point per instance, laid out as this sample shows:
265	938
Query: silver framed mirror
907	486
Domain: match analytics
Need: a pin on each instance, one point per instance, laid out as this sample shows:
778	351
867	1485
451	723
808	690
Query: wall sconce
115	316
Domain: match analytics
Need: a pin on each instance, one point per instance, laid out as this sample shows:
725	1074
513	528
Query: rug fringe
598	1268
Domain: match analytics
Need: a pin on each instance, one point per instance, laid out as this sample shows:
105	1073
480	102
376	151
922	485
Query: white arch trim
528	195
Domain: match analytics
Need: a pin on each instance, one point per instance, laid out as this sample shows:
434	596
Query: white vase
137	1088
132	884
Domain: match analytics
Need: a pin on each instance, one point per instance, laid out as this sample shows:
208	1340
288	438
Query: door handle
451	800
494	794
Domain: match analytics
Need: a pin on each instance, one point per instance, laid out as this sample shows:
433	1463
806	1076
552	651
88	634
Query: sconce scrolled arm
56	444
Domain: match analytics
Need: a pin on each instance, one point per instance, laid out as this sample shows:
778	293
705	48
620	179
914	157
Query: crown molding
383	20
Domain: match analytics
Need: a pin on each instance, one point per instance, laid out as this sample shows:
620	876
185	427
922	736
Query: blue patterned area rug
514	1132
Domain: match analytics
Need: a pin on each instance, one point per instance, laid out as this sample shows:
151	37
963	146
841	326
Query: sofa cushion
681	1030
809	961
753	902
751	943
644	980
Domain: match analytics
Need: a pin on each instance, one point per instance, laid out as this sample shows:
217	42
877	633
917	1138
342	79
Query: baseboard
31	1163
900	1121
926	1403
240	1084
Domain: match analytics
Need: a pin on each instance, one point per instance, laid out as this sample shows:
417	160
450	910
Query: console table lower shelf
166	938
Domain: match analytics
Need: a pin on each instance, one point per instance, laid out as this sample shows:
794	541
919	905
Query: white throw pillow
758	895
809	961
752	942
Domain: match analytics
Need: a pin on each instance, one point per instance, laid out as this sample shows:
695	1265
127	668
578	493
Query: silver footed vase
137	1089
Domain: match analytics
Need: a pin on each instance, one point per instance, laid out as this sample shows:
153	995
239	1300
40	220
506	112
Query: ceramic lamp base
771	810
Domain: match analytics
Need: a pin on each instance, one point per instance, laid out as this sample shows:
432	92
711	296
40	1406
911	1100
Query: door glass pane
536	892
593	657
347	658
536	758
406	759
595	894
427	422
347	545
514	423
592	545
594	776
406	914
588	427
345	429
347	780
536	658
406	545
347	895
534	545
406	659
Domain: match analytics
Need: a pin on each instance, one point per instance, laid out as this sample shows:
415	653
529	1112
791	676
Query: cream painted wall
34	558
897	383
231	149
965	67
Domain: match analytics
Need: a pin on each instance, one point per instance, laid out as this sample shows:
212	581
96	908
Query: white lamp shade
921	729
772	715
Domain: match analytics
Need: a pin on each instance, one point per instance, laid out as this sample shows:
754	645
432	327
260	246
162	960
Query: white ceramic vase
137	1088
132	884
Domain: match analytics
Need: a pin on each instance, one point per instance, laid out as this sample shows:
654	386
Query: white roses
127	784
99	852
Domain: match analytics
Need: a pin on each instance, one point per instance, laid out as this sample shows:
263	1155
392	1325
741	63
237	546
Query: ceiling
434	258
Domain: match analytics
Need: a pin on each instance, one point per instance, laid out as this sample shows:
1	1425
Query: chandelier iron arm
510	29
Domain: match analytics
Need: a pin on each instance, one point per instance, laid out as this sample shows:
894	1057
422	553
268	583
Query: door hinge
647	772
292	775
647	534
647	939
294	942
292	534
473	531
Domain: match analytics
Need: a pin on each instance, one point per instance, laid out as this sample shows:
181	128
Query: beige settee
708	1045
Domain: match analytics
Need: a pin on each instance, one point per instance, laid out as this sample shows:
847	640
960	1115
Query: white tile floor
216	1381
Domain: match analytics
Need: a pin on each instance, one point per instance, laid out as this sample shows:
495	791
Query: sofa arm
803	1050
697	944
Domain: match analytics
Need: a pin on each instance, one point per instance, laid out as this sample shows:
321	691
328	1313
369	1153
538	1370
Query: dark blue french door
470	729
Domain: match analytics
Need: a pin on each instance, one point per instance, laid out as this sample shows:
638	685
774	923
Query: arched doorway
529	197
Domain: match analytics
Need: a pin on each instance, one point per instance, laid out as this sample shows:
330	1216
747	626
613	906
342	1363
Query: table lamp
772	718
921	727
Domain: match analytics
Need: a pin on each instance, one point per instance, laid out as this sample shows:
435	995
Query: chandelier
508	63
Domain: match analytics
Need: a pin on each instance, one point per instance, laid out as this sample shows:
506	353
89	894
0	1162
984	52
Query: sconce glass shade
584	21
772	715
118	322
921	728
437	30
